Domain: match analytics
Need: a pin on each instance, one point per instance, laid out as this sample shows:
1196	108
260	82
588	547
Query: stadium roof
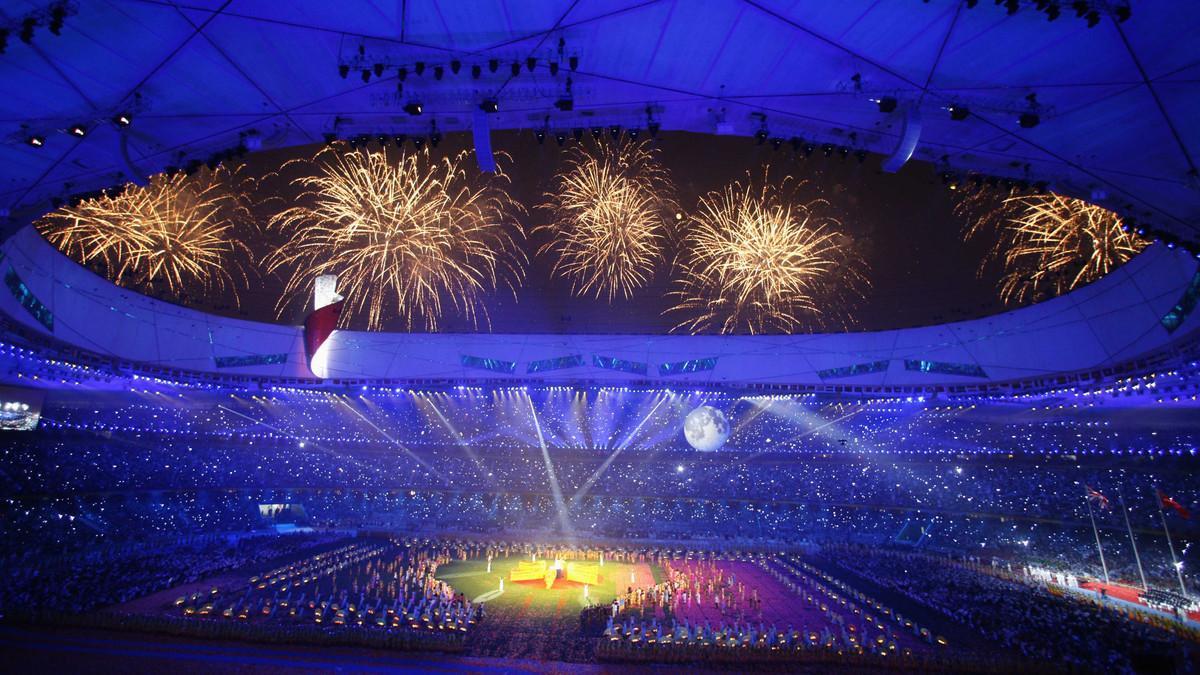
1118	103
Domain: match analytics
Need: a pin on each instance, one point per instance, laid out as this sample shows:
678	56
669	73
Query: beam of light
760	258
394	441
1046	245
409	238
179	233
559	506
805	434
462	442
587	485
612	214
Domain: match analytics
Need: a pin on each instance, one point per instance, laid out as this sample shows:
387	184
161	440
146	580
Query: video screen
20	409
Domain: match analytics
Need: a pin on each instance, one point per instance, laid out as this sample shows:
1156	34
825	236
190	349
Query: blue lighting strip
249	360
1187	302
692	366
851	371
559	363
613	363
943	368
494	365
25	297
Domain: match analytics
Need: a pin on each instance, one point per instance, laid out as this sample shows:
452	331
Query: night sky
922	272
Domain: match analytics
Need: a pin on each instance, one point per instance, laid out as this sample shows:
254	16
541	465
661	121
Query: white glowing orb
706	428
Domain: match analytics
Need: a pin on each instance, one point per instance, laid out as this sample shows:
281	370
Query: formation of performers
384	584
705	603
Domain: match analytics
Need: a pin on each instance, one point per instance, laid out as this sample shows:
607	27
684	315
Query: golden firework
760	259
612	210
403	236
183	232
1049	244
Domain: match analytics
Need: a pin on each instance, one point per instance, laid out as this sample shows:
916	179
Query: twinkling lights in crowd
757	257
405	235
612	215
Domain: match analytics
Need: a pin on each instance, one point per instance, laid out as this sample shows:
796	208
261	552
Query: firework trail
406	237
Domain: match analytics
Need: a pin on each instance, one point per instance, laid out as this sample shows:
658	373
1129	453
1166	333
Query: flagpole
1132	541
1174	561
1092	515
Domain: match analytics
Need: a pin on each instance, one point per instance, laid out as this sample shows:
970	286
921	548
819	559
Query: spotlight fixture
366	75
597	132
1122	12
761	135
652	126
27	27
887	104
633	134
58	13
860	155
3	40
1093	19
77	130
540	135
1012	6
776	143
1028	120
413	108
515	69
809	149
455	66
577	133
614	131
493	65
1081	8
560	138
435	137
438	72
490	105
419	68
530	63
399	87
343	70
1053	11
36	141
958	113
122	120
573	63
843	152
399	139
378	68
402	73
827	149
418	142
476	71
553	68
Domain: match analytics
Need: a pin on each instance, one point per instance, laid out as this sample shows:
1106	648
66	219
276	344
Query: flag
1095	496
1164	500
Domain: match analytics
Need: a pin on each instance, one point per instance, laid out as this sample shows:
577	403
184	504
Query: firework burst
404	237
1048	244
178	232
613	212
760	259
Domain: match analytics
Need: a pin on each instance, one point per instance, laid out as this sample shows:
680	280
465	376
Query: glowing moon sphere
706	428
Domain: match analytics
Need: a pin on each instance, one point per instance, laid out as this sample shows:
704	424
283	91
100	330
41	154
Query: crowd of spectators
1021	613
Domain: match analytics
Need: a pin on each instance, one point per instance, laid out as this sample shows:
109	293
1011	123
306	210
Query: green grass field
472	579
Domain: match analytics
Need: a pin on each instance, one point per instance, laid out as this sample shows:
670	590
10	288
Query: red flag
1095	496
1169	502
